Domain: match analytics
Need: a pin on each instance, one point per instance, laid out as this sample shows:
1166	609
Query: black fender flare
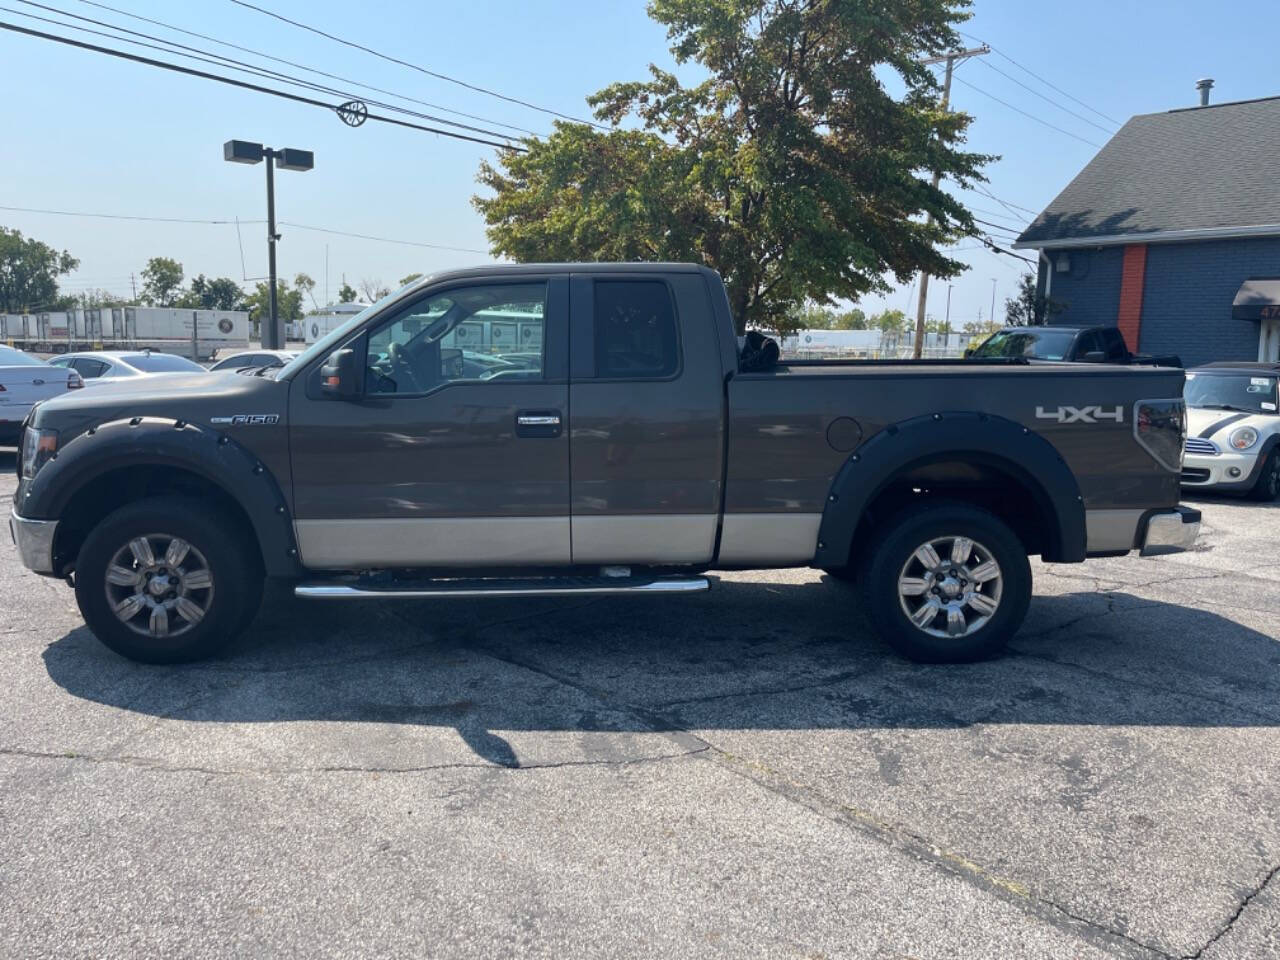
163	442
979	437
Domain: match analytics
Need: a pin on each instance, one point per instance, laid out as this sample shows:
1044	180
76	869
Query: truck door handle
538	423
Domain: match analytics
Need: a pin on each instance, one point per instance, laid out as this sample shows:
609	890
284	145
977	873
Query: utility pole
951	59
946	324
134	283
993	296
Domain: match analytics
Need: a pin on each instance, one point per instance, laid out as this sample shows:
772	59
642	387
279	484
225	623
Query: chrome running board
480	587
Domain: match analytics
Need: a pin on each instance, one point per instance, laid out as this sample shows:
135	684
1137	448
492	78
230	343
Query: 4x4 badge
248	419
1089	414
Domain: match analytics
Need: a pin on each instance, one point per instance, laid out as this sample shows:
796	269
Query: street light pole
271	332
287	158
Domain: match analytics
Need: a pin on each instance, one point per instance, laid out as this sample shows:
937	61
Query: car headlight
1242	438
38	448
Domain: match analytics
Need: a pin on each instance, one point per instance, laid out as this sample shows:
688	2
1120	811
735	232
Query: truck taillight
74	381
1160	426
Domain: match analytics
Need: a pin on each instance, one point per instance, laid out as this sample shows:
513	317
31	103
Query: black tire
1267	486
231	560
894	557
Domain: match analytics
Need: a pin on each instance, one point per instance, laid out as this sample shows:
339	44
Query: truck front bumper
1170	531
34	539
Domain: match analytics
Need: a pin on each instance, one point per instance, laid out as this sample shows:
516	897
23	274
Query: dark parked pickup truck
1096	344
613	445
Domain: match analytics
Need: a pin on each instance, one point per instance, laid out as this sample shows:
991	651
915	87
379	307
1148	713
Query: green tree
29	271
288	302
853	319
161	281
305	284
405	281
889	321
347	293
1026	308
222	293
790	168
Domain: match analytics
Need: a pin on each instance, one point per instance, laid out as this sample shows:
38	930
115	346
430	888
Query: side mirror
1095	356
339	377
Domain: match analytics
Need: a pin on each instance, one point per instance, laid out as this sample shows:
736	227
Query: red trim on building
1132	276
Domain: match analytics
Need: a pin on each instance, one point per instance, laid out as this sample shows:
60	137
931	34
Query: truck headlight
38	448
1242	438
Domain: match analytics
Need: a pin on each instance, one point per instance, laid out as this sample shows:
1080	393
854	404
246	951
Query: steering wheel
402	368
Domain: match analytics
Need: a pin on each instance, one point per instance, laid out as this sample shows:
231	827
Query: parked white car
25	379
106	366
1233	429
245	359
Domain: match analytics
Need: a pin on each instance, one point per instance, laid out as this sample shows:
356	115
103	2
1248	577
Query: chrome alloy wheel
159	585
950	586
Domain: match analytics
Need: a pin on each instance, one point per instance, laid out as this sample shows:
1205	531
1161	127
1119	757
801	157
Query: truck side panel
784	451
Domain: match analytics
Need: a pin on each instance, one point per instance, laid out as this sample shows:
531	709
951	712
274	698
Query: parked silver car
25	379
246	359
104	366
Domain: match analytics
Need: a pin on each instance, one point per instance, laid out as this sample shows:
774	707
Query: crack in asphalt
151	764
1231	921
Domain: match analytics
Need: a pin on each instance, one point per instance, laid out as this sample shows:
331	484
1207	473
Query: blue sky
88	133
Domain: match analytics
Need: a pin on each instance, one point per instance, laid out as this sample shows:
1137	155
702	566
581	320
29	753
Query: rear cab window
634	326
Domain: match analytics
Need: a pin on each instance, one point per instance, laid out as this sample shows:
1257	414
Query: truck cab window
471	334
635	330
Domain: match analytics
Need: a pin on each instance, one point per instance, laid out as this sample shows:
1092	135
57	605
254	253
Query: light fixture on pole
245	151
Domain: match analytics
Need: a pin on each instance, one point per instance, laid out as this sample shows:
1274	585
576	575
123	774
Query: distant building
1172	233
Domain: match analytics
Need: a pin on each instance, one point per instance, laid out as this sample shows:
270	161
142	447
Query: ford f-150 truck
617	443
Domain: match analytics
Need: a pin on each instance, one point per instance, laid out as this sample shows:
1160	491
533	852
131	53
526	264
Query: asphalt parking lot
742	774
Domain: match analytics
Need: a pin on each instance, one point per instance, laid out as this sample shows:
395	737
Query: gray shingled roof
1201	168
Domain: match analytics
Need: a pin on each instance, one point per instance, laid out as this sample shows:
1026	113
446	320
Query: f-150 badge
1089	414
248	419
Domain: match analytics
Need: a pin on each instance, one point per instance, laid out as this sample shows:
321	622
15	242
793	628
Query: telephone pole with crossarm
951	59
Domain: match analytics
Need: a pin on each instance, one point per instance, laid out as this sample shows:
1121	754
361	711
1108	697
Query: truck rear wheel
164	581
947	583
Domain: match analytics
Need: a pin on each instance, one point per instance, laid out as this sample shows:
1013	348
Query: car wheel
1267	486
164	581
947	583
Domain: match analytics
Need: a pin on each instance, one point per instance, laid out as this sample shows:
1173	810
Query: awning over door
1257	299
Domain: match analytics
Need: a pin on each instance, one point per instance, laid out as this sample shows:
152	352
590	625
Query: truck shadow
749	655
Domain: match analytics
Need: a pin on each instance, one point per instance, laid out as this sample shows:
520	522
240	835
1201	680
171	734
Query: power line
301	66
1018	219
1007	204
177	68
1047	83
1078	116
997	226
1030	116
218	60
237	221
365	236
414	66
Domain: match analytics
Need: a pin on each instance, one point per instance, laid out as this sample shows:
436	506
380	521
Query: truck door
646	416
449	457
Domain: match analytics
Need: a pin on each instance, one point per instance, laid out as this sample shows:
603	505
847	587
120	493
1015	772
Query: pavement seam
891	835
146	763
1231	921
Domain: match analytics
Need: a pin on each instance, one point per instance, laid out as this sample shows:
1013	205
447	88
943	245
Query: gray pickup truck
549	430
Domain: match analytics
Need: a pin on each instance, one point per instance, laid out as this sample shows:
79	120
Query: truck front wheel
164	581
947	583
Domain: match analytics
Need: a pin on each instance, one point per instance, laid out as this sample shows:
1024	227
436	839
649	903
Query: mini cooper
1233	429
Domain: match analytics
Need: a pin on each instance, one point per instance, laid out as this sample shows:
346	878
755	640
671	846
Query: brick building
1162	232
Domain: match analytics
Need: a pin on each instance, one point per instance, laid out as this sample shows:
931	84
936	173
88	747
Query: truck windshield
1034	344
1233	391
